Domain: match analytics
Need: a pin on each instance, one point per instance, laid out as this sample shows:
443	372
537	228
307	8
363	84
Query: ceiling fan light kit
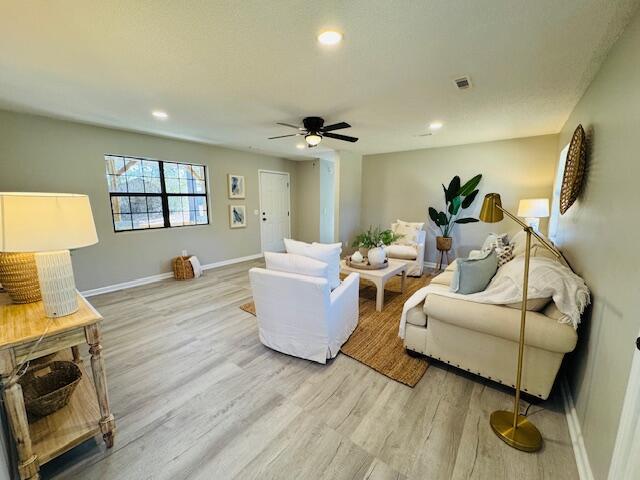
313	139
314	131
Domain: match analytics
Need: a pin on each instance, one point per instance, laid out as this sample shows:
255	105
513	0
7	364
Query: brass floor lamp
511	427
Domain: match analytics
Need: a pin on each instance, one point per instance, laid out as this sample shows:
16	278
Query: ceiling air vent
463	83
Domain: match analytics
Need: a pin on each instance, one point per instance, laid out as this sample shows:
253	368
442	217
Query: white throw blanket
197	268
547	279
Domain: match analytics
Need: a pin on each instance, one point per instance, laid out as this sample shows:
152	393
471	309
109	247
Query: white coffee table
379	277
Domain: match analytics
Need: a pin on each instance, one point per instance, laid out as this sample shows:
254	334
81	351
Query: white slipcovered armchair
411	251
299	315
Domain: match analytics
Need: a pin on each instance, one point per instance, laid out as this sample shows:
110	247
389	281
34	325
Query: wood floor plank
197	396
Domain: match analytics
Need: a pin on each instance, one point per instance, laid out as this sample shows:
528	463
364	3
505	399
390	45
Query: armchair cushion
404	252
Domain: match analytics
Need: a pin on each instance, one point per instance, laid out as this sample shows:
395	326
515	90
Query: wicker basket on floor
19	277
48	388
182	268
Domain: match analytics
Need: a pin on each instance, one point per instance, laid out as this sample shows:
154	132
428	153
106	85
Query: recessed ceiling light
330	37
160	114
301	146
435	126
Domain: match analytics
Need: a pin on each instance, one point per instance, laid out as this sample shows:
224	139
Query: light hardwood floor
196	395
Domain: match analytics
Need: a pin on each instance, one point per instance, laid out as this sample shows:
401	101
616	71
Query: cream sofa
483	339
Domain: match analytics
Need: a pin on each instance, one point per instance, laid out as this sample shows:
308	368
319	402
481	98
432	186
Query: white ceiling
226	71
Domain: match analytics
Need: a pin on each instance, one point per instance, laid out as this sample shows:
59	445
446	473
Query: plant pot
443	244
377	256
364	251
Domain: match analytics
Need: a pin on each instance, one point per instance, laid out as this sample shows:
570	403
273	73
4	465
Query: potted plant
371	243
457	198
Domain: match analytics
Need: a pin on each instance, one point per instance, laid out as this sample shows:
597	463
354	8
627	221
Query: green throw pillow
473	275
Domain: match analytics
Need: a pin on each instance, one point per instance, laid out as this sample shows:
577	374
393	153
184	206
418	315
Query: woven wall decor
573	170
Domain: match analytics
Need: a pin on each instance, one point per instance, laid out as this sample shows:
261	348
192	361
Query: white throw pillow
327	253
495	240
290	244
408	231
414	225
292	263
498	243
519	243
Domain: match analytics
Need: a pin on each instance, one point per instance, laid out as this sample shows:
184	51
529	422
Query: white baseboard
575	431
430	264
161	276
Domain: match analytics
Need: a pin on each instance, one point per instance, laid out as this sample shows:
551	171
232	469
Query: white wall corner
161	276
575	432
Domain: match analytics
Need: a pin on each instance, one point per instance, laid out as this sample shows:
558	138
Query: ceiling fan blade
282	136
335	126
289	125
341	137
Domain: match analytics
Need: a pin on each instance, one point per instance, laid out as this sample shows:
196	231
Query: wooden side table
88	410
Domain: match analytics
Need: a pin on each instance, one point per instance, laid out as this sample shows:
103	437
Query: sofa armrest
504	322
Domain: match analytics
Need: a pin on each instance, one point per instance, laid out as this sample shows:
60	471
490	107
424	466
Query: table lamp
48	224
532	210
511	427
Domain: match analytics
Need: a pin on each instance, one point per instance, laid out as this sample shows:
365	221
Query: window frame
163	195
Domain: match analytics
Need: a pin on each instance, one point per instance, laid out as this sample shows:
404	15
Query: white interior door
275	218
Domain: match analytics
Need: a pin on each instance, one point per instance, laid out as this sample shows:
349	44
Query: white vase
377	256
357	257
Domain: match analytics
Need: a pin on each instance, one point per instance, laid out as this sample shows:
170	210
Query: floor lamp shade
491	211
48	224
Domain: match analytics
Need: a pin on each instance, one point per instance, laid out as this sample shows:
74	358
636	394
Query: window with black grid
148	194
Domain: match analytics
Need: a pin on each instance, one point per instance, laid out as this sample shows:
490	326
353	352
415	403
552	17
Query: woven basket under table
182	268
19	277
48	388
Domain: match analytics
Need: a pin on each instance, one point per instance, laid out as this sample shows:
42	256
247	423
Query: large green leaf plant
457	198
375	237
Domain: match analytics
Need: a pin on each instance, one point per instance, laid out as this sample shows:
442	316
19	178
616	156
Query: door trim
629	425
260	171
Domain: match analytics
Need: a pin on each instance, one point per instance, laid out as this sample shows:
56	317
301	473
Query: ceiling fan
313	130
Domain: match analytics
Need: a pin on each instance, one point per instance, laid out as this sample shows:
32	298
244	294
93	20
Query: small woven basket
48	388
19	277
182	268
